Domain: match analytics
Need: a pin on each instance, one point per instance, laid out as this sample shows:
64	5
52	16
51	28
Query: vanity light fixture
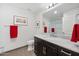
51	5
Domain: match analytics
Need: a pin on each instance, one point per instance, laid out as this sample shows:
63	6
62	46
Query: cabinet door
51	51
44	52
38	46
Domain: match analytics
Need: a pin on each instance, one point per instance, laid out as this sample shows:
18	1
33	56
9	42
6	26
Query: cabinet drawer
75	54
66	52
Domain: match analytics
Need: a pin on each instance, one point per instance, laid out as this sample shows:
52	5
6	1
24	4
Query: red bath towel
75	33
13	31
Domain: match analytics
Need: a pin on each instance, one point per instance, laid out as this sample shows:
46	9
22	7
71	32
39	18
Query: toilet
30	44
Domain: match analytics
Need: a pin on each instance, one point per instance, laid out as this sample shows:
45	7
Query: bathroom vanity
54	46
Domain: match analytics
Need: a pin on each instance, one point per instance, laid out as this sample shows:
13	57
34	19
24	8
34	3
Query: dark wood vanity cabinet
38	47
41	48
45	48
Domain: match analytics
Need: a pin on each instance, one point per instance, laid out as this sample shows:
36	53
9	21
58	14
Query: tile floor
19	52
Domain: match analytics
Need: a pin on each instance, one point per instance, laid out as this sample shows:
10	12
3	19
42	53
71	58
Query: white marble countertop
59	41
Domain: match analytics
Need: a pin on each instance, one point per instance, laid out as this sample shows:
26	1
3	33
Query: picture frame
20	20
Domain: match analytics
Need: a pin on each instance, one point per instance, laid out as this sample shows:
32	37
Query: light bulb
55	12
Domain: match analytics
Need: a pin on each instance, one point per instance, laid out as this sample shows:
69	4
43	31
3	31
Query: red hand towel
74	34
52	30
13	31
45	29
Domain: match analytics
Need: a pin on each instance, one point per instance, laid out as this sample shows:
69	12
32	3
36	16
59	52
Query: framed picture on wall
19	20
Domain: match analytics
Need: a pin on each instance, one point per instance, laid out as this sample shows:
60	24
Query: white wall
69	19
25	32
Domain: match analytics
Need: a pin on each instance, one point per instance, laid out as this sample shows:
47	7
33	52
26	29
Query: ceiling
35	8
61	9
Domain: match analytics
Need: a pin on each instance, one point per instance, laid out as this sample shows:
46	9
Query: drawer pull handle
65	52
